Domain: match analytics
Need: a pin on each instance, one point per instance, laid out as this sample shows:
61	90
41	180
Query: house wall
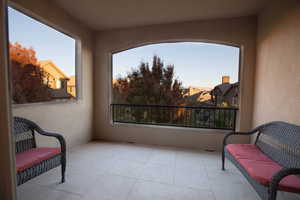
238	31
72	119
52	74
277	78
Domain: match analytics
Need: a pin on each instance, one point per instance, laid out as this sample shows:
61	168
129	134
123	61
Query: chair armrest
35	127
238	133
276	178
257	129
59	137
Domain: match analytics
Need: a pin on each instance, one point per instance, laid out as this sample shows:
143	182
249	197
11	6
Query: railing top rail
173	106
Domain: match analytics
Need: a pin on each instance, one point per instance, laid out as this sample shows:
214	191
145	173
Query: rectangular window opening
43	61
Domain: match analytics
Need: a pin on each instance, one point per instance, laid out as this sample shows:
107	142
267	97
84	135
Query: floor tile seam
56	189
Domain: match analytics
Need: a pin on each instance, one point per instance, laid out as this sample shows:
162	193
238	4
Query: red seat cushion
246	151
29	158
260	167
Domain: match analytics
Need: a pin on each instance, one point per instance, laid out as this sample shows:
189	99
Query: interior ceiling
111	14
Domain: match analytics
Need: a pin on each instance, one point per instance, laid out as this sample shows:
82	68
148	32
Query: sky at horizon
48	43
195	63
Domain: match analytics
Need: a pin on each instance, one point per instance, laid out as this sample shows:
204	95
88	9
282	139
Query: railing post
112	107
234	120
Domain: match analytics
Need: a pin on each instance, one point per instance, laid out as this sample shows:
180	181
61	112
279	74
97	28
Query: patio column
7	166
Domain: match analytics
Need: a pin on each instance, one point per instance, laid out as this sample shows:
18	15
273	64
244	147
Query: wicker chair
31	161
278	145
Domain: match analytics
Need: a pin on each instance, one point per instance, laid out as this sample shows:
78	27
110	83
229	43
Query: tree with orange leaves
27	77
22	55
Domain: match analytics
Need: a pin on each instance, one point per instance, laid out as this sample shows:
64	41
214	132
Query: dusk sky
48	43
195	63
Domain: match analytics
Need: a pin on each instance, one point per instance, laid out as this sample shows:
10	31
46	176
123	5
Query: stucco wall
277	79
239	31
73	120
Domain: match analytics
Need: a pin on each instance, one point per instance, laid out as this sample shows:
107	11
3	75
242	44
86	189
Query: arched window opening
185	84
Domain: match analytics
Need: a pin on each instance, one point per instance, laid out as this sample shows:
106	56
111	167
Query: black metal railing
181	116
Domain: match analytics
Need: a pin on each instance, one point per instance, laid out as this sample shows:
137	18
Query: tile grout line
51	188
131	189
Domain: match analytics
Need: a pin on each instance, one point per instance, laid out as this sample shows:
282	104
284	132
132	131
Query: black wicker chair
24	134
280	142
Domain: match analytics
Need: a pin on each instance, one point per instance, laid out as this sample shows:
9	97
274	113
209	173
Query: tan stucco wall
239	31
277	79
73	120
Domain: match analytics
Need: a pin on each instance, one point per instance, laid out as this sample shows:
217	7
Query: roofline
55	67
231	86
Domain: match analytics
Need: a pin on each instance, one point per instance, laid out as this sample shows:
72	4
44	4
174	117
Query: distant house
196	96
53	74
57	80
72	86
192	90
226	93
198	99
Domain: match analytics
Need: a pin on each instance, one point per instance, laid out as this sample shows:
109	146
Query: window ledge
209	131
61	101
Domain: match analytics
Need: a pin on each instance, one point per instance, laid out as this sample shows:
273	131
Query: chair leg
63	168
272	195
272	192
62	176
223	160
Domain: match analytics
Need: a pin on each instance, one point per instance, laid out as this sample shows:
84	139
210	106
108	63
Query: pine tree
155	86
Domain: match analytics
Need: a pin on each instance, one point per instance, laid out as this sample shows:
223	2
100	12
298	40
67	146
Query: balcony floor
118	171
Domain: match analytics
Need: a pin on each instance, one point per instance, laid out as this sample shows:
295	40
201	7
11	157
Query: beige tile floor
118	171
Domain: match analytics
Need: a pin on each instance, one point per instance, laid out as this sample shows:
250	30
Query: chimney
225	79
